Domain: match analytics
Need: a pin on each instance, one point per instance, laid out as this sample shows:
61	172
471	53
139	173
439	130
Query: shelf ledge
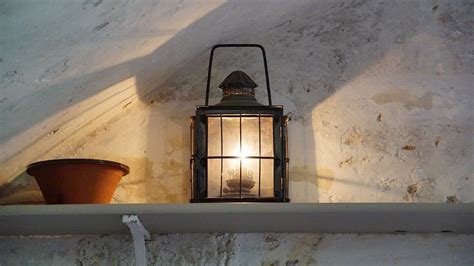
239	218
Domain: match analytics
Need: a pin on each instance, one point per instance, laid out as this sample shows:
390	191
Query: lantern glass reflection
245	165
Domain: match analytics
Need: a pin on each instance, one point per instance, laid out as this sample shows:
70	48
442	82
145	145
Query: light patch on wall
133	188
323	178
140	45
36	142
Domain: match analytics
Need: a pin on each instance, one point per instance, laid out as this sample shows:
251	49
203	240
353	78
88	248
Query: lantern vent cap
238	79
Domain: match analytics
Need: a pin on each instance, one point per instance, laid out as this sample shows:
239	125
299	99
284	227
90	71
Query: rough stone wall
243	249
379	92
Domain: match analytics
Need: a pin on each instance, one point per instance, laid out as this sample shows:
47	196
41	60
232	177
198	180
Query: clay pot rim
31	167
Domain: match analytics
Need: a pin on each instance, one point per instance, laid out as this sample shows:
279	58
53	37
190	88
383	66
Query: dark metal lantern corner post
239	146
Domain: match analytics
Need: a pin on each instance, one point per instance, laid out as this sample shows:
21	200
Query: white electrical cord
139	234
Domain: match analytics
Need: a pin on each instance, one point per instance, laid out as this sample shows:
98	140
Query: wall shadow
311	55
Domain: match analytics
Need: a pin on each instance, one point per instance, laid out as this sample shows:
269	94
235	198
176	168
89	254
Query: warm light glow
240	140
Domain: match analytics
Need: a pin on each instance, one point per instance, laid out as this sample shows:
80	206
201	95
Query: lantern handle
238	45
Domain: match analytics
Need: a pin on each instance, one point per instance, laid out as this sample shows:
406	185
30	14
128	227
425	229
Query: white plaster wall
379	92
243	249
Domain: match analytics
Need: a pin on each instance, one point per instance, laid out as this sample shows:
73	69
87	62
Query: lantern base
216	200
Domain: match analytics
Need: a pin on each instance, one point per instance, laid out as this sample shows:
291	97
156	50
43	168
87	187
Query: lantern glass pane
214	136
267	179
266	127
213	178
250	137
231	178
231	136
247	138
233	185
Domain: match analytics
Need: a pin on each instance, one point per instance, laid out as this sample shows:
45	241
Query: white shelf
239	217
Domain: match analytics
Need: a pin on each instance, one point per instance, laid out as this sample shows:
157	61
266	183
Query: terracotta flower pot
77	181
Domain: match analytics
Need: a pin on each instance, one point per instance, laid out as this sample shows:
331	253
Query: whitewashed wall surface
379	93
380	96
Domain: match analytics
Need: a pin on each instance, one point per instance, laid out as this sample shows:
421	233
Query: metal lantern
239	146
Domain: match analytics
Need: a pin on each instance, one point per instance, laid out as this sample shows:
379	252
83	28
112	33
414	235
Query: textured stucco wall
243	249
379	92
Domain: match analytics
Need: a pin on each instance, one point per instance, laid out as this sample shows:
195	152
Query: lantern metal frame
199	142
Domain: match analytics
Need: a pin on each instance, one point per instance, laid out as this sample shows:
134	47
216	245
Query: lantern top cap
238	79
